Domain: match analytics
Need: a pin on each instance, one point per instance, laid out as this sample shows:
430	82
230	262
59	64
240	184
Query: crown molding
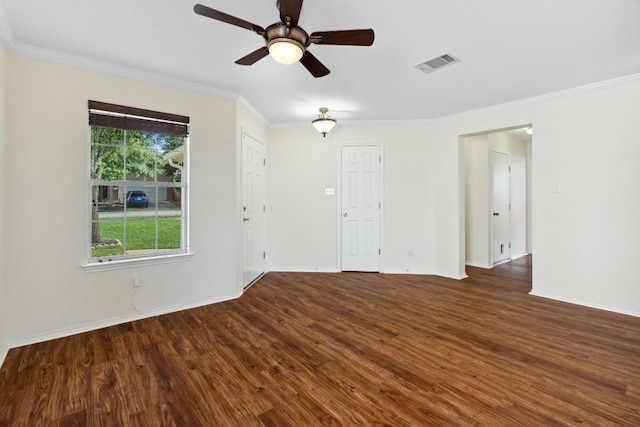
580	90
242	101
8	40
359	123
58	57
390	123
104	67
553	96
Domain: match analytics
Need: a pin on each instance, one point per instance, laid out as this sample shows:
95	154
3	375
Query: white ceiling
510	50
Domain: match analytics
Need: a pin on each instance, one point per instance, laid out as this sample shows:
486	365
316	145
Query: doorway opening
497	170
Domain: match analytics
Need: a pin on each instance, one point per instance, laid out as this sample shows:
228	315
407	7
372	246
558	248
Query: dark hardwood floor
342	349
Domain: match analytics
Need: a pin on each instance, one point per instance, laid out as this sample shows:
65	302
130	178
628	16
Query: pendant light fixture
324	123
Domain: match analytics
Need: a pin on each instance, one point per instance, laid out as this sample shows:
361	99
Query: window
137	183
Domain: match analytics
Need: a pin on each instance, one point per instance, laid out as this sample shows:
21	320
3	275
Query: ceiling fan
286	41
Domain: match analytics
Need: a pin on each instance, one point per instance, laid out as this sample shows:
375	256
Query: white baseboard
65	332
303	270
409	271
330	270
451	275
477	264
586	304
489	266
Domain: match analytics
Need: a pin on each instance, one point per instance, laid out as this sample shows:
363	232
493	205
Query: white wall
303	229
47	292
477	201
586	237
3	127
301	220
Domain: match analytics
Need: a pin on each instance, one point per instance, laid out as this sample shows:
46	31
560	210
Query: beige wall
47	292
303	229
477	201
585	237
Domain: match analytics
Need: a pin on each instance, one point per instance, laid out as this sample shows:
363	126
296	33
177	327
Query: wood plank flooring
344	349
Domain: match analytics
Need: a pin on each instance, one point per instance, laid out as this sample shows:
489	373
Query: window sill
136	262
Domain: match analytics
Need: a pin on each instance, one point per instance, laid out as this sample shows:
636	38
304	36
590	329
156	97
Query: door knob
245	219
345	215
496	214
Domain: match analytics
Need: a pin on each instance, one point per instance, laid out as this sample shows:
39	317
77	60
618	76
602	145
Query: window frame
125	118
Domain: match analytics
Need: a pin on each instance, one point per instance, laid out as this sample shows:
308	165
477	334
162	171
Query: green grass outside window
141	236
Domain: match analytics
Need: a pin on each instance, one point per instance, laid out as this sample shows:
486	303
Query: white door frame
380	146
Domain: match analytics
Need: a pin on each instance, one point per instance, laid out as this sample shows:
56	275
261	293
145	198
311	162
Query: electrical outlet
136	282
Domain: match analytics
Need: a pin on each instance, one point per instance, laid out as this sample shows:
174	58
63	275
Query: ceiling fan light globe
286	51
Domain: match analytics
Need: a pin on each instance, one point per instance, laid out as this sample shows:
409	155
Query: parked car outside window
137	199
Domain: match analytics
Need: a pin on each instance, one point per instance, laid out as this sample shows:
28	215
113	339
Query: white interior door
501	207
361	204
253	210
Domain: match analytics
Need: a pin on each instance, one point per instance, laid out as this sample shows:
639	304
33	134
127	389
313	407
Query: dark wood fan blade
253	57
315	67
290	8
344	37
223	17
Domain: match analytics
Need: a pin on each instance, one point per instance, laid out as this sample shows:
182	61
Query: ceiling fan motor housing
279	31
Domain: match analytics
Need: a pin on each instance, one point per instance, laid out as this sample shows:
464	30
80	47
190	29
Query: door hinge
264	162
509	245
379	251
379	159
509	169
379	205
264	208
264	255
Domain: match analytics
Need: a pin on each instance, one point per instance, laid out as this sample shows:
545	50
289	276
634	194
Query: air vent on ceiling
437	63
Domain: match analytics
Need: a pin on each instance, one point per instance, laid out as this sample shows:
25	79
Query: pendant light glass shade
324	123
